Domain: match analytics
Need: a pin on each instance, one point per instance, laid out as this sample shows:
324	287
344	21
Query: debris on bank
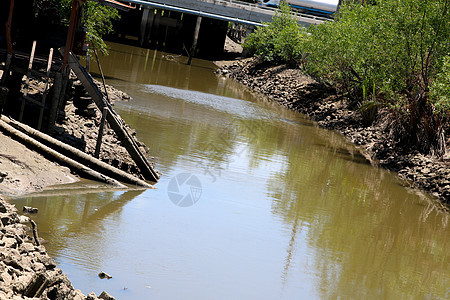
296	91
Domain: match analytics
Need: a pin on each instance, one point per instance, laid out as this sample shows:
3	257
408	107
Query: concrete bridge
193	26
226	10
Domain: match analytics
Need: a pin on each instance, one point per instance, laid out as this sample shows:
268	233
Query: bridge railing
269	10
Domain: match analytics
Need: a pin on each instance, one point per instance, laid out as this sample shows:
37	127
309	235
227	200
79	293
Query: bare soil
24	171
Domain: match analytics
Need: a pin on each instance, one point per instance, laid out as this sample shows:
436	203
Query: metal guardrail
273	10
232	4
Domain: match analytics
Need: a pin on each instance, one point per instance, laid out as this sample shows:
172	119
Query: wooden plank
75	154
100	133
36	87
27	82
45	92
28	98
113	119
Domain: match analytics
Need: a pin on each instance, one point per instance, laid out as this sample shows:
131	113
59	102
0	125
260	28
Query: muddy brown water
255	202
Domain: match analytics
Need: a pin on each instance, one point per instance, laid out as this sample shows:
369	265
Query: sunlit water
279	208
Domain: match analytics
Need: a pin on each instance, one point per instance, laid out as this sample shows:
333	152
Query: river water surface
254	202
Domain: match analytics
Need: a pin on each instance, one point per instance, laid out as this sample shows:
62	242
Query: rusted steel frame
74	19
8	27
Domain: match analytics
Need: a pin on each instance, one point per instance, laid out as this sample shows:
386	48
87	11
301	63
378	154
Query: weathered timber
113	119
37	285
72	164
76	154
100	133
54	105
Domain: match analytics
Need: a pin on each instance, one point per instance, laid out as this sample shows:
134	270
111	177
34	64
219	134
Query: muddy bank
26	270
292	89
24	171
79	127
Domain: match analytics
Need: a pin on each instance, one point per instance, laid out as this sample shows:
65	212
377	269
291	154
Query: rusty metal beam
8	27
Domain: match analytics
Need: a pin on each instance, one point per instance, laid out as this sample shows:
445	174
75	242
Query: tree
97	19
392	52
278	41
98	22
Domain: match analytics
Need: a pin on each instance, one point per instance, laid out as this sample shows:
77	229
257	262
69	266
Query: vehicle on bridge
323	8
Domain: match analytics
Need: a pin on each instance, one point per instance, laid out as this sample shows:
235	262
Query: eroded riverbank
26	268
292	89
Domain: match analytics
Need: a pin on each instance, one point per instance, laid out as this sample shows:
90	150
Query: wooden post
8	27
73	23
100	133
88	61
44	95
113	119
144	22
3	95
8	42
194	42
30	66
57	87
148	31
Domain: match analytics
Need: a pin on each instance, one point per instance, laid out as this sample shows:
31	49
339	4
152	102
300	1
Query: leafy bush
440	89
396	47
97	19
278	41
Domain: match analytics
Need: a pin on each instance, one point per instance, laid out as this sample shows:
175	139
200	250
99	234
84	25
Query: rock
105	296
24	219
91	296
26	248
30	210
2	208
10	242
104	275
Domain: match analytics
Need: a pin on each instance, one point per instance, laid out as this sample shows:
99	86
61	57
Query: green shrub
396	47
97	19
278	41
440	89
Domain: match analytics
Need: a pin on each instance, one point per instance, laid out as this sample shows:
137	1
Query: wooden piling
100	133
194	42
54	105
116	123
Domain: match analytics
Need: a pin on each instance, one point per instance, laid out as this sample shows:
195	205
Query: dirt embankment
23	171
291	88
26	270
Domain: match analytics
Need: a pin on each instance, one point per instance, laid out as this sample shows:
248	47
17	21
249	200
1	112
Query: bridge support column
148	31
194	43
144	24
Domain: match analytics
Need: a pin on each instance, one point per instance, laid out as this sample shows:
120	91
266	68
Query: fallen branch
77	155
72	164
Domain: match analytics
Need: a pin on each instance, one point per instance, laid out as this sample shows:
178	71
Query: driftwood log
77	155
64	160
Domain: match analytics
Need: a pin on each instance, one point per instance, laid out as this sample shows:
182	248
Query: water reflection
288	210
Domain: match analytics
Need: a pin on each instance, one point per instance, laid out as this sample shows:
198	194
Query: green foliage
440	89
98	22
395	46
97	19
278	41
